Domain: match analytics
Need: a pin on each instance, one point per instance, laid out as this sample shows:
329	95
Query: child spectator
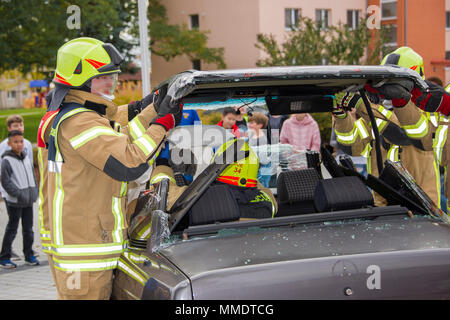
189	118
242	120
229	121
15	122
257	123
274	128
302	132
17	177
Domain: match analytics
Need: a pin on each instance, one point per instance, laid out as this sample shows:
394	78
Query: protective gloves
436	99
399	93
169	111
345	101
135	107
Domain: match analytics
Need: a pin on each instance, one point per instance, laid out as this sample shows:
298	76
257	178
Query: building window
195	22
196	65
291	18
447	19
447	55
391	39
323	18
391	36
11	95
388	9
352	19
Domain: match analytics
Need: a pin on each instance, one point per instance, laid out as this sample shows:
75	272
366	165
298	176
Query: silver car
357	251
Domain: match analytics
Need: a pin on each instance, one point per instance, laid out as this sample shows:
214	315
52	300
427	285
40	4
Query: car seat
295	191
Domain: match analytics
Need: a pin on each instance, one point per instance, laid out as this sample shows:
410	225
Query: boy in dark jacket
18	180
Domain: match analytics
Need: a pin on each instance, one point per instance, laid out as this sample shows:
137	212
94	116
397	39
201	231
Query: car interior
318	185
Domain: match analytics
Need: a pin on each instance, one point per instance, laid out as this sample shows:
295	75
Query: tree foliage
310	44
32	31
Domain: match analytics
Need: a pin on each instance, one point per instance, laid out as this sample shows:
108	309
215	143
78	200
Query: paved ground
25	282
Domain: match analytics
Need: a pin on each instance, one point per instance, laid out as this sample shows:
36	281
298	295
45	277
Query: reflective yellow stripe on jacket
419	129
440	139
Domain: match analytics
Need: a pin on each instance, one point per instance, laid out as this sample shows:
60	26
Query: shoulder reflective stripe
136	128
88	250
418	130
161	176
118	220
385	112
54	132
91	134
146	144
86	265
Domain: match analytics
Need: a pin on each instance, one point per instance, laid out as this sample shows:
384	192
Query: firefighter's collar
93	102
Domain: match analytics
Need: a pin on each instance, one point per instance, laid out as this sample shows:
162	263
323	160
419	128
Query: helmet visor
105	85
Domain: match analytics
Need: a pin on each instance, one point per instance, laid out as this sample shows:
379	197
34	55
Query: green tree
310	44
32	31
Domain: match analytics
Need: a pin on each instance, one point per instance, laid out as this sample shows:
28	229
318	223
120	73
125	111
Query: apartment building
234	24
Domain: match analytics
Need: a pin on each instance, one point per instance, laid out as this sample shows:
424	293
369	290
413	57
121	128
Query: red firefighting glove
436	99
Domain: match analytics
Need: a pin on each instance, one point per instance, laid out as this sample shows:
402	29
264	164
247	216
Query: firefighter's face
104	85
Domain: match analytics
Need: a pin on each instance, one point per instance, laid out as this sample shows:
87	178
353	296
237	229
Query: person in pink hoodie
302	132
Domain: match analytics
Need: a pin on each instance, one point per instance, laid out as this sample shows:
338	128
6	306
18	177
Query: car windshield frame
210	86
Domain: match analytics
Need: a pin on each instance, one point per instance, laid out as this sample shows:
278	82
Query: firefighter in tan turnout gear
90	160
404	131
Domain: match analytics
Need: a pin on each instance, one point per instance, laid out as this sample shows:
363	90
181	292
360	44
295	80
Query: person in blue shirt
190	117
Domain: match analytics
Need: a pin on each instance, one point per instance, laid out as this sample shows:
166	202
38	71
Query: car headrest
343	193
298	185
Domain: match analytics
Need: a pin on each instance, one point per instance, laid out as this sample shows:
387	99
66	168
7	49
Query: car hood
255	246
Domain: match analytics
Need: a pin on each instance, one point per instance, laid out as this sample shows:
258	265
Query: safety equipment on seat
241	173
343	193
217	204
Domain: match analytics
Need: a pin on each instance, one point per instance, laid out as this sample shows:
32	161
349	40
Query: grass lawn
31	119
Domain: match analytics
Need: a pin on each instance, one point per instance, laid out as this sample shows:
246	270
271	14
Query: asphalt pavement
26	282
